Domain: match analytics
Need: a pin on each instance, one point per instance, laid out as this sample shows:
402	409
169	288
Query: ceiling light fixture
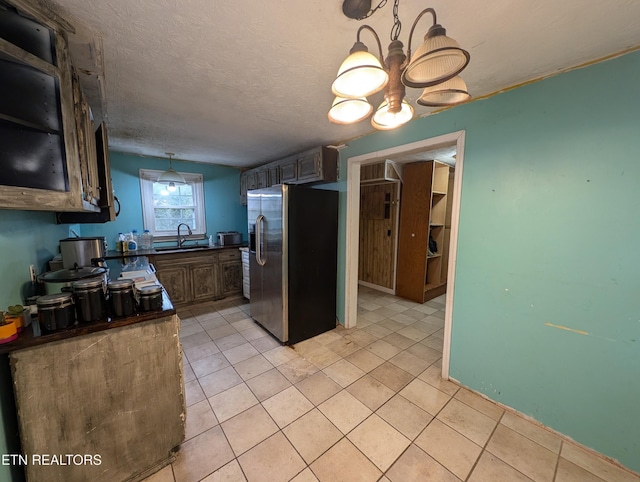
171	178
434	67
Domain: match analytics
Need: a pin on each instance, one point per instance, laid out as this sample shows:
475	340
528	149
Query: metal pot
79	252
55	312
150	298
61	281
89	297
121	297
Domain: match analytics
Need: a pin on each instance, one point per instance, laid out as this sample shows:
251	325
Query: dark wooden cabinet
198	276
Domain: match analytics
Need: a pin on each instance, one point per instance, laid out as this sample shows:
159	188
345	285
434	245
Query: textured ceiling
242	82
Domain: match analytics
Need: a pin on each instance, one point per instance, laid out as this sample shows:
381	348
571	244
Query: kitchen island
103	401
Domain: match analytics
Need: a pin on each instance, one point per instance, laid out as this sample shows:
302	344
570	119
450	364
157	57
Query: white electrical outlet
32	272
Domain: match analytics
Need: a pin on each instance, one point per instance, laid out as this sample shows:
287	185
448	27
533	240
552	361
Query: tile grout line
555	472
484	447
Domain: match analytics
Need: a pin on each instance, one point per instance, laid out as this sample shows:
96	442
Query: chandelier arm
413	27
367	27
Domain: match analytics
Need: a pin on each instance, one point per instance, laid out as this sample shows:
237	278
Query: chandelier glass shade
438	59
384	119
348	111
361	74
449	92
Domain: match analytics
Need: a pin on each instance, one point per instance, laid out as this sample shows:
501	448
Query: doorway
406	151
378	233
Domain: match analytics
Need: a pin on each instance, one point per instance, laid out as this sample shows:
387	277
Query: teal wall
221	195
26	238
549	231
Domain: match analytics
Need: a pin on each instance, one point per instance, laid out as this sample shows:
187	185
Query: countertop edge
154	252
27	340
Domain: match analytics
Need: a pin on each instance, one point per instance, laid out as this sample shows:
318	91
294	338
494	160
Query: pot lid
88	283
120	284
54	299
64	275
150	290
83	238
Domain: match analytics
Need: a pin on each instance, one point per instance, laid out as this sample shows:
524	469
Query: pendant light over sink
171	178
434	67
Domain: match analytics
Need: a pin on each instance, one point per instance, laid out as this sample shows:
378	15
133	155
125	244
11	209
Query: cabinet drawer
229	254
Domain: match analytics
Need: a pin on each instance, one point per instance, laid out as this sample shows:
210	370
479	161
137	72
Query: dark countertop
111	254
27	340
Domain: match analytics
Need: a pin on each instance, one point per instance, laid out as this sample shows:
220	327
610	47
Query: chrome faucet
182	239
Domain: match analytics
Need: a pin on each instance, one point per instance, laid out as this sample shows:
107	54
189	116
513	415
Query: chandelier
433	67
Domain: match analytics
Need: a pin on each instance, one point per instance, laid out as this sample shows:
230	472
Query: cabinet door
204	281
288	169
37	115
274	175
86	145
176	281
243	188
231	276
262	177
252	180
310	167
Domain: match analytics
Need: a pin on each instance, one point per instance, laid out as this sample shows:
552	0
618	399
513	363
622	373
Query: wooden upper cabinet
274	174
262	178
318	165
313	166
38	121
288	169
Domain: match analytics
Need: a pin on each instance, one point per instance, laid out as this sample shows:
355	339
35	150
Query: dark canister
121	297
150	298
56	311
90	300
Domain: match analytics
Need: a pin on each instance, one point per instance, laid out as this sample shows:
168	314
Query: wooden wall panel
378	225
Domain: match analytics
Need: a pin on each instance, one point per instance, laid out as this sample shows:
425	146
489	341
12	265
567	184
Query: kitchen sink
183	248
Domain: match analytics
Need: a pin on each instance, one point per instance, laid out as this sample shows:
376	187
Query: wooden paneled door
378	228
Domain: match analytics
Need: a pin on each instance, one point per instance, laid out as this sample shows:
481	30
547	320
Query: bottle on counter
146	240
132	241
120	242
211	240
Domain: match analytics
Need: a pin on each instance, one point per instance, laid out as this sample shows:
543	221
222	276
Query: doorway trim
353	226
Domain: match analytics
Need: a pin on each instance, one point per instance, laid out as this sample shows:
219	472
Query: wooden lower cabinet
176	281
231	271
197	276
205	281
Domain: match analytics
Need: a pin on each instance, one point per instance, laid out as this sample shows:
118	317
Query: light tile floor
364	404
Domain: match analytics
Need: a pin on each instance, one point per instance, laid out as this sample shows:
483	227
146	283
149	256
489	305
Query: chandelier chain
397	24
373	10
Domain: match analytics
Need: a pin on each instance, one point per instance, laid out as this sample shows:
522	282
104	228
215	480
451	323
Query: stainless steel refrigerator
293	235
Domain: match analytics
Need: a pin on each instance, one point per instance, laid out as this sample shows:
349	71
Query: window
163	210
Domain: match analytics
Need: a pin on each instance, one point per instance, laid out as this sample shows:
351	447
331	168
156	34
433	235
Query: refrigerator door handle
259	259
